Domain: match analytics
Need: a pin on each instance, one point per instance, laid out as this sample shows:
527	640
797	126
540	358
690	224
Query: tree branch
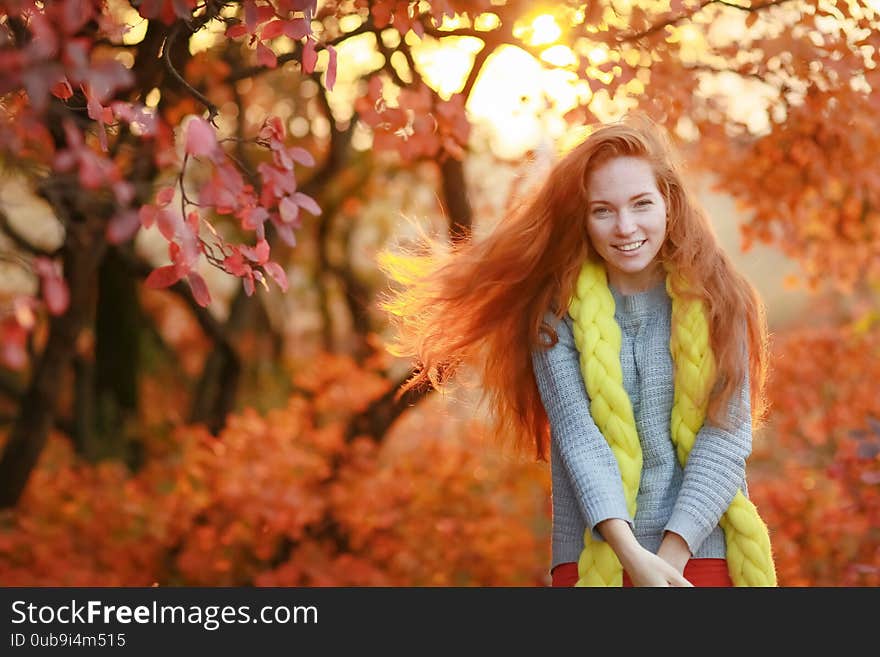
377	418
195	93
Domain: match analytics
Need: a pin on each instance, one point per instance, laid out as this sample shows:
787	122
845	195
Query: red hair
481	302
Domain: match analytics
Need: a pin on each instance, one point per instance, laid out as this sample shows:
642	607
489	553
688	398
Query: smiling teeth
631	247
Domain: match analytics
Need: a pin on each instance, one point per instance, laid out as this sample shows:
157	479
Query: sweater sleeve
715	470
586	457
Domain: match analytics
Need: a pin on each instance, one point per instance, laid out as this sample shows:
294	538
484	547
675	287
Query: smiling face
626	222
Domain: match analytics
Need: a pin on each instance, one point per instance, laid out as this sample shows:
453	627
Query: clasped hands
643	566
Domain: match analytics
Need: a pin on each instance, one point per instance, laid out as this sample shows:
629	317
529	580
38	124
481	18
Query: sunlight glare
559	55
454	22
521	101
486	21
544	30
137	27
446	66
598	55
350	23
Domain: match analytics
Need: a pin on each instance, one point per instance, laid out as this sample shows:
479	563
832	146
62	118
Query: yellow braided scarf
598	339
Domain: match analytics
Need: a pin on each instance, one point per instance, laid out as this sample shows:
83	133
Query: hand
643	566
674	550
648	569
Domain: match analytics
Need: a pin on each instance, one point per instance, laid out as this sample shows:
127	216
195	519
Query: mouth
632	247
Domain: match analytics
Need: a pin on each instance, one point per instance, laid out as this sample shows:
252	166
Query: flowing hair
481	302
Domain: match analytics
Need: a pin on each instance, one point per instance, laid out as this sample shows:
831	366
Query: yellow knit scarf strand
598	339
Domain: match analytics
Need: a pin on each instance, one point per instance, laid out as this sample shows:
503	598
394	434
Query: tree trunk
217	387
83	249
455	199
117	361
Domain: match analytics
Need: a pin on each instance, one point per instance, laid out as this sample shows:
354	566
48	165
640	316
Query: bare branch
166	56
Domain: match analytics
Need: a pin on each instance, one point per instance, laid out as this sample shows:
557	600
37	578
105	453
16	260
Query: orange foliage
817	477
283	500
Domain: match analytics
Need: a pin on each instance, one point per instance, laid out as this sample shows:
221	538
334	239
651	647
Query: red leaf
302	156
272	129
285	232
297	28
330	80
381	14
254	217
199	288
45	267
289	211
237	30
13	338
265	56
273	29
55	294
62	89
250	15
307	203
147	214
96	111
248	285
259	254
123	191
190	249
309	57
235	264
262	251
165	196
168	224
123	226
277	273
162	277
200	138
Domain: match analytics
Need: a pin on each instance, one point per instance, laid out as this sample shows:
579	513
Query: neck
627	284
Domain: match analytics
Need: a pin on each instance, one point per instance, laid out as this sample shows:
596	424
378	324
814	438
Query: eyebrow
631	199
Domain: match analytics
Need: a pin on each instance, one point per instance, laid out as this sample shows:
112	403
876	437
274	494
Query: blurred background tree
164	422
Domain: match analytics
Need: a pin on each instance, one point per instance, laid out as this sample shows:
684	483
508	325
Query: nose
626	225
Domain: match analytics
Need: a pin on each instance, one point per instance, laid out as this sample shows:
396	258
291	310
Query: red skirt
699	572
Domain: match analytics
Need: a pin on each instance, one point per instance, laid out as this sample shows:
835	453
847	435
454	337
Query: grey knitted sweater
586	481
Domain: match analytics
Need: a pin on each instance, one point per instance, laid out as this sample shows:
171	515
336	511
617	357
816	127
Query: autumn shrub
816	475
283	499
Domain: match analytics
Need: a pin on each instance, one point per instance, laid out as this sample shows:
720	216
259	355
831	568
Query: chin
631	267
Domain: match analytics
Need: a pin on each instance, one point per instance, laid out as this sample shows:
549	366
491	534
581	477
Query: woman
604	312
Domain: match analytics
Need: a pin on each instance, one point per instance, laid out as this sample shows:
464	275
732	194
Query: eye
600	211
644	202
